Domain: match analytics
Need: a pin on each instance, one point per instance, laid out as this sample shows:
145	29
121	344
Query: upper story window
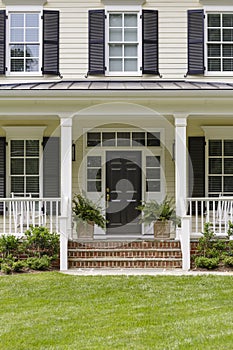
24	42
29	41
220	42
123	42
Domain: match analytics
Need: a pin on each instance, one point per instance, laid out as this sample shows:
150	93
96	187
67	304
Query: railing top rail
210	199
27	199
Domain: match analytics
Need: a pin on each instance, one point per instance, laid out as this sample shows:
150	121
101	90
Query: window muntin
24	167
123	42
220	167
24	42
220	42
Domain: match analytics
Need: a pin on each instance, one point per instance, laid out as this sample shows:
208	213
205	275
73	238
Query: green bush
228	261
9	244
19	266
206	263
42	263
6	268
41	241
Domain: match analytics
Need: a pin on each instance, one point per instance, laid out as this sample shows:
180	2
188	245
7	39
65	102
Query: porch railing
216	210
17	214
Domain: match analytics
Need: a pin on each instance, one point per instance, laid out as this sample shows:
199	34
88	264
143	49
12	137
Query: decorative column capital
180	119
66	119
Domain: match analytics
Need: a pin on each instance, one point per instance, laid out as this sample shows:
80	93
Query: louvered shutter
96	59
50	63
2	171
2	42
195	42
150	42
197	166
51	167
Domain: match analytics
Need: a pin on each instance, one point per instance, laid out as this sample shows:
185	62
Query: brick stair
133	254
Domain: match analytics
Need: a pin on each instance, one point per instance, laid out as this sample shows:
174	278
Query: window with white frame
123	42
24	167
220	42
24	33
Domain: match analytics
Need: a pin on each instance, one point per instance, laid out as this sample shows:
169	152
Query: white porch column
66	188
180	163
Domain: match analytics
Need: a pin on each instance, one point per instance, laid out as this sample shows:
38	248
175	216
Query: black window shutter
50	63
51	167
196	166
195	41
2	42
2	171
96	50
150	42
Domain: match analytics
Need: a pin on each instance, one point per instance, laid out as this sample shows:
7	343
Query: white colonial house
124	100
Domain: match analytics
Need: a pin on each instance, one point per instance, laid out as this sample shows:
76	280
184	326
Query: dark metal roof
118	85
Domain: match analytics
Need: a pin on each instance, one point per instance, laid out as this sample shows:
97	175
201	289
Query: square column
180	163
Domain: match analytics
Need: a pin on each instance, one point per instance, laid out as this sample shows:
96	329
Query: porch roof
127	85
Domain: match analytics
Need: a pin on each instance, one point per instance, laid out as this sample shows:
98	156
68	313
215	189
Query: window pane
228	65
130	50
153	174
115	35
138	139
214	20
228	166
227	34
215	166
32	148
32	65
17	20
17	184
215	184
17	65
115	65
228	183
123	139
32	166
153	186
228	147
32	35
153	161
215	147
94	174
227	50
115	50
214	65
214	35
32	184
115	20
17	50
93	139
153	139
32	50
109	139
131	65
130	20
32	20
94	161
16	35
94	186
17	148
214	50
131	35
227	20
17	166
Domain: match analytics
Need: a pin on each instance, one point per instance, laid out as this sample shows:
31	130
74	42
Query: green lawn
56	311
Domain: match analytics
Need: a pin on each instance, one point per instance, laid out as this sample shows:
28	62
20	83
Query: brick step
129	253
125	263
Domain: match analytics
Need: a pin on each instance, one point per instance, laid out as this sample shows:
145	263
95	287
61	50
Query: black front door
123	191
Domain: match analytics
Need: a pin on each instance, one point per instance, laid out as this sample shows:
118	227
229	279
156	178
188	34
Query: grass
51	311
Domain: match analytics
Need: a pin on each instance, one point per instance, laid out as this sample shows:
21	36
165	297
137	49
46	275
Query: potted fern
86	214
162	215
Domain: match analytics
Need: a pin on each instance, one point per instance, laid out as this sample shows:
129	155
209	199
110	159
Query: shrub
9	244
19	266
41	241
228	261
6	268
206	263
42	263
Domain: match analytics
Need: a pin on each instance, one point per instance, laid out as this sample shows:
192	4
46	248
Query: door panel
123	189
